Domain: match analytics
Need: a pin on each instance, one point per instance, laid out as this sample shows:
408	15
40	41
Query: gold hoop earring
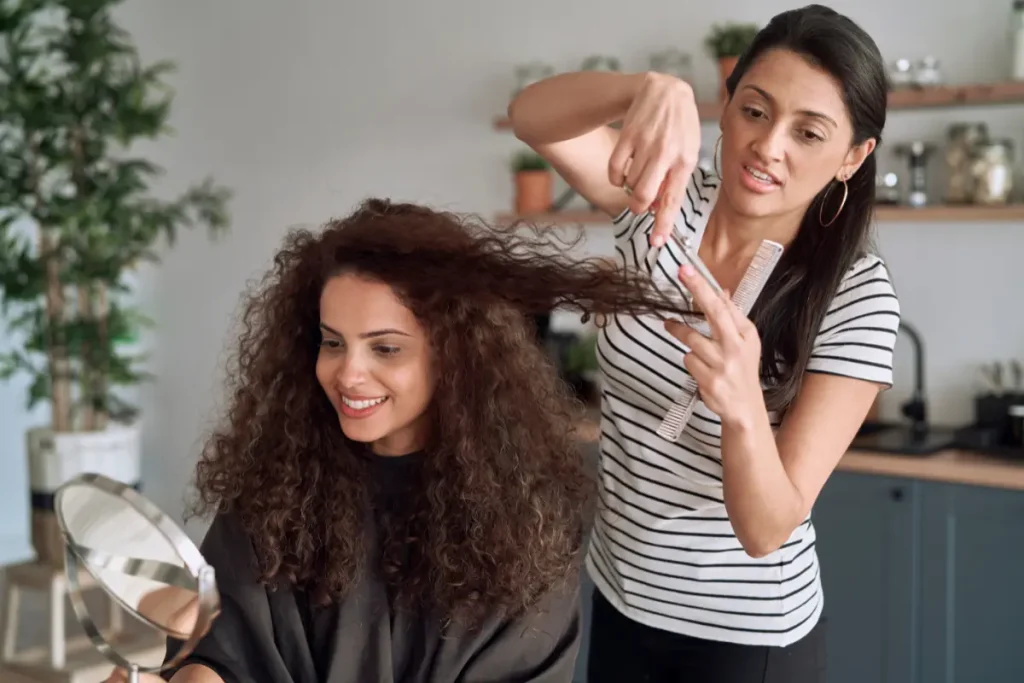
824	200
714	155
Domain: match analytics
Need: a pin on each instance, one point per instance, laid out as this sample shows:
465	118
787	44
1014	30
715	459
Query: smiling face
375	365
786	134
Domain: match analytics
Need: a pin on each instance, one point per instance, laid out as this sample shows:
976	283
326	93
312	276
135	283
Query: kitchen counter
950	466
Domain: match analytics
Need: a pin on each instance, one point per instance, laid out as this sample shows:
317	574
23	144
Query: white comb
762	265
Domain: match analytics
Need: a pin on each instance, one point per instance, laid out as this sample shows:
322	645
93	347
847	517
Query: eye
753	112
330	343
810	136
385	350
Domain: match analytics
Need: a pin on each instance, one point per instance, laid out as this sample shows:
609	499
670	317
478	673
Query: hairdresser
703	551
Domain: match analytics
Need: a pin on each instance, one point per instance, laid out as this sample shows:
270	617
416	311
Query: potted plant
533	183
726	43
580	369
76	216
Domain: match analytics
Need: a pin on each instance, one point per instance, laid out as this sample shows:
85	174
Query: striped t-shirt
662	550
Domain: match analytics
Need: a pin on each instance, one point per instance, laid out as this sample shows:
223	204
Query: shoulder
228	548
866	288
858	333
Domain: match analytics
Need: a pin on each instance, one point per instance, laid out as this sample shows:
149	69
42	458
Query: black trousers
626	651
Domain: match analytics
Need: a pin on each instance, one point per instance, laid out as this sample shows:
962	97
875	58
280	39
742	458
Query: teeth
760	176
362	405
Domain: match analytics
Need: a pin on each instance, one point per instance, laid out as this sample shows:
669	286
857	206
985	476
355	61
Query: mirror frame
202	574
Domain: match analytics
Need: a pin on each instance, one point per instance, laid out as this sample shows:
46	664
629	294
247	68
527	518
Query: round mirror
141	559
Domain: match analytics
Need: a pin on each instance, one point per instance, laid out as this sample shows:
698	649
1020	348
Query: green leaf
75	97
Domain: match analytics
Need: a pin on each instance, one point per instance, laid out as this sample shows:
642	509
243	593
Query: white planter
54	458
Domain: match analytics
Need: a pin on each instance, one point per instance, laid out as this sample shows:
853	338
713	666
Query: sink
897	438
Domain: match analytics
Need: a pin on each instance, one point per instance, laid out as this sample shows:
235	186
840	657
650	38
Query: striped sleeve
858	334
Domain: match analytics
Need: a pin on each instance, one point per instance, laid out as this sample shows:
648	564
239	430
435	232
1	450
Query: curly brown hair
501	511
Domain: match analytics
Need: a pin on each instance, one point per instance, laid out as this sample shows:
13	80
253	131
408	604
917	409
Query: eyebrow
365	335
805	112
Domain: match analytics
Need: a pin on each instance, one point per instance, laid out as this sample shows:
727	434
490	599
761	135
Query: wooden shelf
950	213
883	213
978	95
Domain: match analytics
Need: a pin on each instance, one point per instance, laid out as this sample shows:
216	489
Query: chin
361	433
752	205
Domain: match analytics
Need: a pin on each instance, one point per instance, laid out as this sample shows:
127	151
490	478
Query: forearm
763	503
569	105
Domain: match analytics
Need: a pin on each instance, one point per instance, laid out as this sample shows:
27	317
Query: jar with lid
962	142
900	73
600	63
530	73
674	63
993	172
927	73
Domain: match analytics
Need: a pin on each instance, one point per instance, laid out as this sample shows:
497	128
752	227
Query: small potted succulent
726	43
533	183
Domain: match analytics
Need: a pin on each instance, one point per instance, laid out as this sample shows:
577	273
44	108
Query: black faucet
917	438
915	408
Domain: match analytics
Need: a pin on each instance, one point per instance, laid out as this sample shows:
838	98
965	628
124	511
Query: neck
730	236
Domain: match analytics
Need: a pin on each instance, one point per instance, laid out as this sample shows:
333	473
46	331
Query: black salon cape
264	636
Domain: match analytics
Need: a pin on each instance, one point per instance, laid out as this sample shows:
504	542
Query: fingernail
658	241
687	270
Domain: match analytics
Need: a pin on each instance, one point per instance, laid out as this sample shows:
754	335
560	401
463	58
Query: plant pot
54	458
725	68
533	191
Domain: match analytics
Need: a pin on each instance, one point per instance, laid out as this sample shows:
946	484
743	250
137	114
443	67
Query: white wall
307	106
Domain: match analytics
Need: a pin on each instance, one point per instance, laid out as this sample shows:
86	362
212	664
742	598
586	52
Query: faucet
915	407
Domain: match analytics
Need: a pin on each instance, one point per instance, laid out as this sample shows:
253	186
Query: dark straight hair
797	296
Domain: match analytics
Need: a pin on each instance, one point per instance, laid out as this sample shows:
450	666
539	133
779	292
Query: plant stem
60	375
86	373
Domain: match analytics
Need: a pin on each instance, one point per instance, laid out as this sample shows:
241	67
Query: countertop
951	466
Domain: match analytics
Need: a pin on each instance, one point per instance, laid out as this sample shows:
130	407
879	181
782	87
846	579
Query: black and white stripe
662	549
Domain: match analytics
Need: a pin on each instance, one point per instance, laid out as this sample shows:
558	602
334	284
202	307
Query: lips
762	174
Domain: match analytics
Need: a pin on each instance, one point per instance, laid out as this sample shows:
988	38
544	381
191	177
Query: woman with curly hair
397	491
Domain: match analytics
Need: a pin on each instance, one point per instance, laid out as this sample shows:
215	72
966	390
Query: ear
855	157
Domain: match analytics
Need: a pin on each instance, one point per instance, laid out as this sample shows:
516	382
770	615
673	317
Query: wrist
747	422
630	86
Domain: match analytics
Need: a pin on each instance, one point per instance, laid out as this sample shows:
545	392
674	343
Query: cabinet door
869	551
973	584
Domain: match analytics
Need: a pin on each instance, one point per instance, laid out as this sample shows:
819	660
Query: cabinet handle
896	494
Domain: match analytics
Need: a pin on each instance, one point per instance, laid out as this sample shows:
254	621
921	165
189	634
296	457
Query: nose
770	145
351	371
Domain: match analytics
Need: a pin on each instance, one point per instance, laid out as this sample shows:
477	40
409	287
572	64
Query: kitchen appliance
887	188
917	154
998	412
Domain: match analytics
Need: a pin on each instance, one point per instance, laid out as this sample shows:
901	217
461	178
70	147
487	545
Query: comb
750	287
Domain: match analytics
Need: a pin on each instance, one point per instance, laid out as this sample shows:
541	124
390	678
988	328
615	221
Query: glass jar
993	172
900	74
962	142
600	63
674	63
528	74
927	73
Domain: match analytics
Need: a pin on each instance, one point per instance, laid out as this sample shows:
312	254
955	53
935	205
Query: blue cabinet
923	581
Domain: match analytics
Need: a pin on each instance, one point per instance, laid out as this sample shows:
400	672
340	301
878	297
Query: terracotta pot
725	67
533	191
